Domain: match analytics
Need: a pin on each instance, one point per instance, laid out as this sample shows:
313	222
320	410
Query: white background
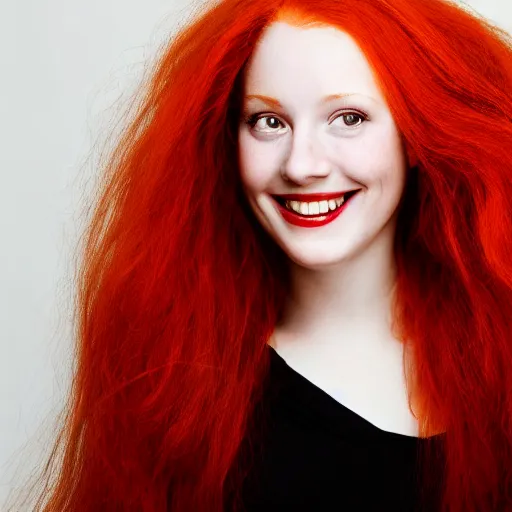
65	67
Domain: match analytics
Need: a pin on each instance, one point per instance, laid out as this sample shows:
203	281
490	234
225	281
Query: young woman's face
314	126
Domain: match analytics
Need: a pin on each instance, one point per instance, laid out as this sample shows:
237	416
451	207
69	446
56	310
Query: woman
297	281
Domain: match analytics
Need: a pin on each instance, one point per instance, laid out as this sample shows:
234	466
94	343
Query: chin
318	260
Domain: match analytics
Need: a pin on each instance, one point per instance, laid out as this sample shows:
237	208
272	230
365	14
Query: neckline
304	392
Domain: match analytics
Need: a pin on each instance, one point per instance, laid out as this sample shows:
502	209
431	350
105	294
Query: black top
318	455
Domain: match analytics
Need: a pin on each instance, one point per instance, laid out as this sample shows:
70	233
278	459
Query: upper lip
319	196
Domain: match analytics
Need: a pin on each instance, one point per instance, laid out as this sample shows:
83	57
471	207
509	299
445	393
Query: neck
352	297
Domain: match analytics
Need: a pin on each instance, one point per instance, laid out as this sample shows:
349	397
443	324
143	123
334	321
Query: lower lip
311	222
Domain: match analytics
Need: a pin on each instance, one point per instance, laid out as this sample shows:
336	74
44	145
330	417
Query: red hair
179	288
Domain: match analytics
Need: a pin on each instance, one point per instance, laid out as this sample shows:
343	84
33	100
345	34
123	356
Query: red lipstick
312	221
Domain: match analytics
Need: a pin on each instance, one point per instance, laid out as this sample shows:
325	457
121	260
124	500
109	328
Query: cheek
392	188
384	166
256	167
393	177
389	188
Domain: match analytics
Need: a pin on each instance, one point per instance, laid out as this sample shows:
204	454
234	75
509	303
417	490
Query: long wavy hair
179	288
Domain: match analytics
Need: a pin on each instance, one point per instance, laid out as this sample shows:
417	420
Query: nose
306	161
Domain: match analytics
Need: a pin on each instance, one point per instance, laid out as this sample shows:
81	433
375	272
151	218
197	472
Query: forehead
320	59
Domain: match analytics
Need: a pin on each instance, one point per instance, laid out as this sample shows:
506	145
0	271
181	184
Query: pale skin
311	137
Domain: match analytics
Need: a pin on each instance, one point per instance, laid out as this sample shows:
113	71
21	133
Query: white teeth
294	205
314	207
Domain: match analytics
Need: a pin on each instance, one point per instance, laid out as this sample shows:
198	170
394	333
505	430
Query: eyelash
254	118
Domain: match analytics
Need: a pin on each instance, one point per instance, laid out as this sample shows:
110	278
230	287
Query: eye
269	123
264	123
352	118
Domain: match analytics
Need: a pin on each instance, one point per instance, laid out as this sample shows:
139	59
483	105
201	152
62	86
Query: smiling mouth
312	209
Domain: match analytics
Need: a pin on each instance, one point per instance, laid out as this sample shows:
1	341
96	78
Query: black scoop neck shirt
317	455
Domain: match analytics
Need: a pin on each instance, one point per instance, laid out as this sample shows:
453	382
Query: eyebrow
275	103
